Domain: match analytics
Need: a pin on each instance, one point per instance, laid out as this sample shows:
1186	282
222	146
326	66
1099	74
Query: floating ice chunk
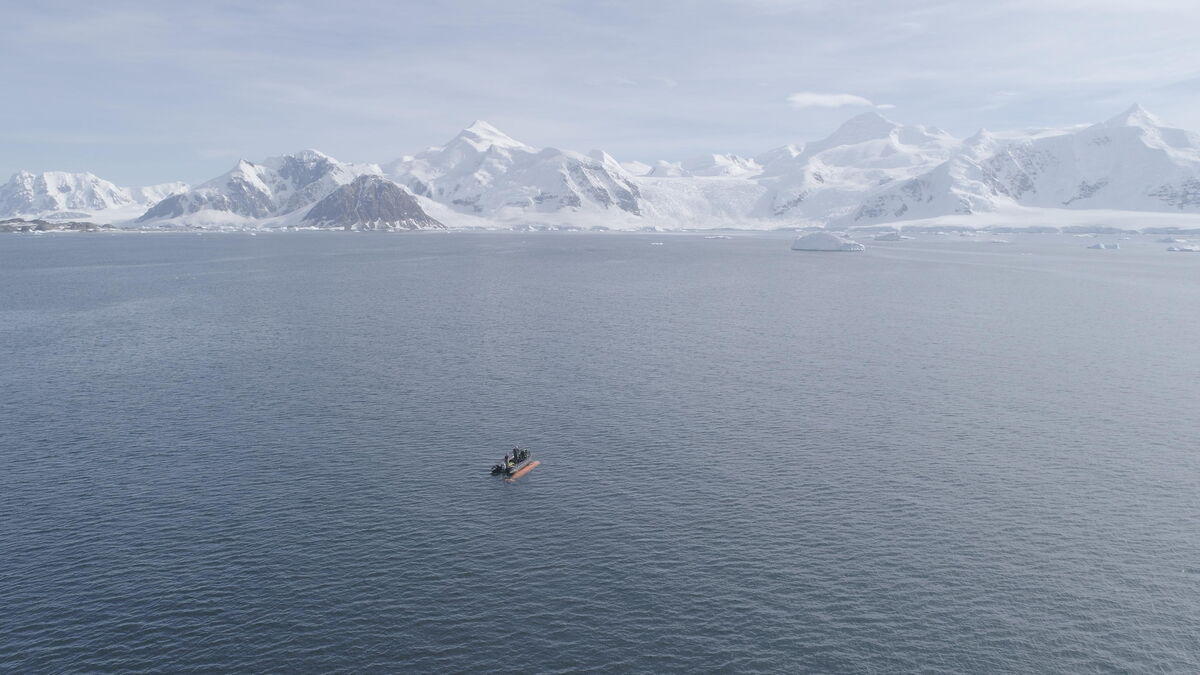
1184	249
1104	246
825	241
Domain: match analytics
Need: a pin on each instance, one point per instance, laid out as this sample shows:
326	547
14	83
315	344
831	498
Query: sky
148	92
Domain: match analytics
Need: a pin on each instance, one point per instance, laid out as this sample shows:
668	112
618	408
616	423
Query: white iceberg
825	241
1103	246
1184	249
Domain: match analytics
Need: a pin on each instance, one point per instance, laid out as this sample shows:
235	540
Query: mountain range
870	171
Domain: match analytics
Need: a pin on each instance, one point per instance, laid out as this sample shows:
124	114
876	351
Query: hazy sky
142	92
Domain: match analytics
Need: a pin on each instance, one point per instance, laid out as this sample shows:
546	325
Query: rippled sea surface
268	454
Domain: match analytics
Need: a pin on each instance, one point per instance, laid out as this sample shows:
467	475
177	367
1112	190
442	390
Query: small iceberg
1184	249
1171	240
891	236
717	236
1102	246
826	241
656	243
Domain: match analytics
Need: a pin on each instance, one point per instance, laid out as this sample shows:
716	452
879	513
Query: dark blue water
267	454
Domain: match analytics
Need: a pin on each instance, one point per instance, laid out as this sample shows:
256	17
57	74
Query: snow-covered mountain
79	195
274	187
40	193
870	170
829	177
484	172
1130	162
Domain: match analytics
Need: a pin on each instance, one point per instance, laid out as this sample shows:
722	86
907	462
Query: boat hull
522	469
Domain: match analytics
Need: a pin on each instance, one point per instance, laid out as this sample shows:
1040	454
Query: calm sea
269	454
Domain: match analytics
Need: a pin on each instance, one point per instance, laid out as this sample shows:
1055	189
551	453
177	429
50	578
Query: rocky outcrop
39	225
371	203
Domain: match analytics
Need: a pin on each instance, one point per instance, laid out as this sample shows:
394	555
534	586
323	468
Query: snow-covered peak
313	155
483	135
1135	116
830	176
605	159
782	153
865	127
715	165
636	168
305	158
483	171
149	195
664	169
720	165
982	144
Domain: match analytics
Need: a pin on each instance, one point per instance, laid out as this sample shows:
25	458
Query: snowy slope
699	201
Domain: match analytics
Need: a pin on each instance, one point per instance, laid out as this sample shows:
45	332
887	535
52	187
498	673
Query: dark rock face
39	225
371	203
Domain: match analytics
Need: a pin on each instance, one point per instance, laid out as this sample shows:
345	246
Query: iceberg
1103	246
825	241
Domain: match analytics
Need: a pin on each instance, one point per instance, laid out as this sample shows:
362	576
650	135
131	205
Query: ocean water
270	454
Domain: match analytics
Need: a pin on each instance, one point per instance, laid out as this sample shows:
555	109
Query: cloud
810	99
